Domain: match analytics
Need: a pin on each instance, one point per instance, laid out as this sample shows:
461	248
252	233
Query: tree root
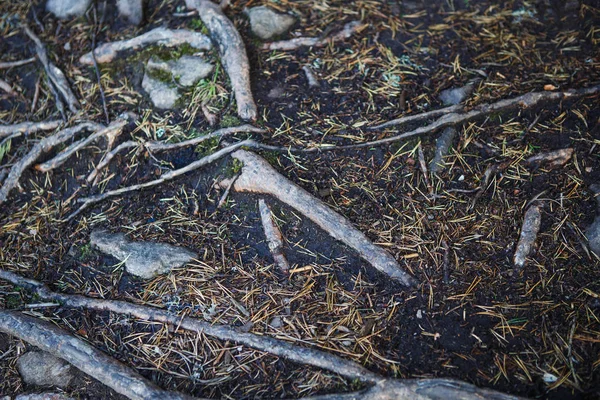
88	201
108	157
28	127
274	236
160	36
55	75
259	177
12	64
302	355
88	359
417	117
349	29
232	52
111	131
42	146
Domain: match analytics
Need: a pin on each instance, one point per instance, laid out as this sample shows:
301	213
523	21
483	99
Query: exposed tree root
277	347
42	146
159	36
88	201
55	75
259	177
28	127
12	64
232	52
531	226
349	29
110	132
108	157
88	359
274	236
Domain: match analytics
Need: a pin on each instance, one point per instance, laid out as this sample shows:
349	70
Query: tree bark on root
232	53
302	355
259	177
160	36
42	146
83	356
349	29
28	127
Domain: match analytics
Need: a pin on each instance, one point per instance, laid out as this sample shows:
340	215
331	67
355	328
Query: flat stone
64	9
131	10
266	23
187	70
143	259
163	95
455	96
39	368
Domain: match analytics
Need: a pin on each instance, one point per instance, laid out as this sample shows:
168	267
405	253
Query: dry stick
529	231
5	86
273	235
166	177
349	29
159	36
11	64
417	117
36	151
28	127
55	75
111	130
420	389
232	53
108	157
302	355
259	177
83	356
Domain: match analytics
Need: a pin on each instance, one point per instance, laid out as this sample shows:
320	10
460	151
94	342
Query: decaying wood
36	151
552	159
12	64
259	177
158	36
83	356
110	132
232	53
420	389
55	75
88	201
303	355
273	235
529	231
349	29
28	127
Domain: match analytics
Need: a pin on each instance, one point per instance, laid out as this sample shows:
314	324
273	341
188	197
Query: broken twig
552	159
83	356
259	177
273	235
529	231
349	29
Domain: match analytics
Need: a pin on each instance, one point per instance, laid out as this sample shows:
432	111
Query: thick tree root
159	36
349	29
55	75
232	52
75	351
259	177
302	355
274	236
42	146
28	127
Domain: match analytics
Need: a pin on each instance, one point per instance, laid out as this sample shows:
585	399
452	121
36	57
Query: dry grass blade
83	356
278	347
159	36
42	146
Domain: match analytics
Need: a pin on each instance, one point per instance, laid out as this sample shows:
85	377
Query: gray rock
64	9
163	95
143	259
266	23
131	10
455	96
593	231
442	145
39	368
187	70
42	396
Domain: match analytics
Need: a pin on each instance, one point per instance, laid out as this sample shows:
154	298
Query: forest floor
533	332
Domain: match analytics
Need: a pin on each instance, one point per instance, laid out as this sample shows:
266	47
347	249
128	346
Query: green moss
13	301
233	167
229	120
272	157
207	147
